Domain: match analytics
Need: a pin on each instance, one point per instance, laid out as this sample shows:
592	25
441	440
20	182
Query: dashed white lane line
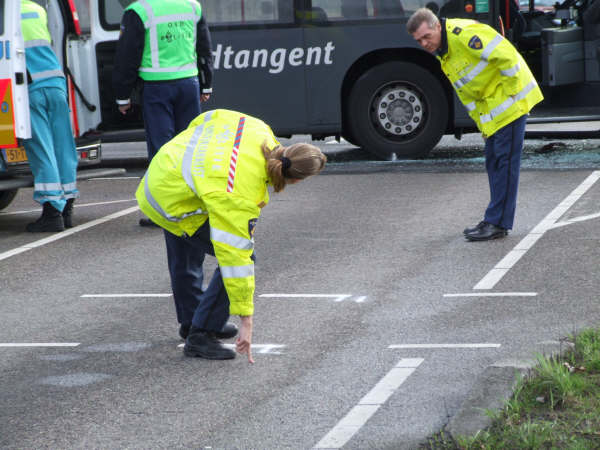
39	344
493	294
124	295
66	233
335	297
483	345
497	273
76	205
369	404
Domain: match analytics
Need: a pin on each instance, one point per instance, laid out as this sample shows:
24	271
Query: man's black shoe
475	228
487	232
145	222
50	220
205	344
229	330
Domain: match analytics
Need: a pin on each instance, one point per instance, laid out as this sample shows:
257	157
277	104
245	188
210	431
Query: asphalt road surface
373	315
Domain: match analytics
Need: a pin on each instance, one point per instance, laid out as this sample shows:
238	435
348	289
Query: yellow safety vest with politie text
215	169
488	74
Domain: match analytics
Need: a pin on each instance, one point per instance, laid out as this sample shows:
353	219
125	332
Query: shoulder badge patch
475	43
251	227
457	30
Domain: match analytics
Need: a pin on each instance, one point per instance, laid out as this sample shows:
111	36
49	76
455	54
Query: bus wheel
6	197
398	110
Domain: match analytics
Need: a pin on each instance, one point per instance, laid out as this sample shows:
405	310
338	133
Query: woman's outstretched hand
243	343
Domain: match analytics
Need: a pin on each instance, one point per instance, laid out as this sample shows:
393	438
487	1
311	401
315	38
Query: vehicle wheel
6	197
398	110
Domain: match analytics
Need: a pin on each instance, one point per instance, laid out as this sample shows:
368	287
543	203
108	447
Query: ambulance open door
14	99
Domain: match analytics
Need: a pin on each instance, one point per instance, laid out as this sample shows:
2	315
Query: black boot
51	220
68	213
205	345
229	330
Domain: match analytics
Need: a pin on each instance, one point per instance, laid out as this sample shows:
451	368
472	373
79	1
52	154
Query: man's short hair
421	15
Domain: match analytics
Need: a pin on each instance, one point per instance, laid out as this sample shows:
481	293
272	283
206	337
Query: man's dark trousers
169	107
503	163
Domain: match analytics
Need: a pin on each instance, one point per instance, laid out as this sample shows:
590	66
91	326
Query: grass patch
556	406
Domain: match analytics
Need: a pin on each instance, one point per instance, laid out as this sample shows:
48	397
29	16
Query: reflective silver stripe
161	211
485	54
470	106
194	4
471	75
175	18
50	197
71	195
47	74
237	271
487	51
512	71
153	33
507	103
186	164
37	43
69	186
167	69
231	239
47	187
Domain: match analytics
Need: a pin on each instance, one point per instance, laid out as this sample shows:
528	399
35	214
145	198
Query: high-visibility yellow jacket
170	46
489	75
43	67
215	169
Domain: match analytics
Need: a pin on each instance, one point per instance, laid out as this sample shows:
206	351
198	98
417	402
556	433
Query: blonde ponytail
296	162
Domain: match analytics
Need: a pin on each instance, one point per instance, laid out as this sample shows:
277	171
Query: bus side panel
261	77
324	82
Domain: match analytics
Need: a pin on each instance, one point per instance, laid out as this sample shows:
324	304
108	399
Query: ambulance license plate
14	155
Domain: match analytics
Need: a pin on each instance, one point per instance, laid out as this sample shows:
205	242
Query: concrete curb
494	387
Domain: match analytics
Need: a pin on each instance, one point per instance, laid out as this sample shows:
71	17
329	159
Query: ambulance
14	108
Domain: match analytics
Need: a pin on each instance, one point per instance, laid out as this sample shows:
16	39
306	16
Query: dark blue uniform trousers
503	163
208	310
169	107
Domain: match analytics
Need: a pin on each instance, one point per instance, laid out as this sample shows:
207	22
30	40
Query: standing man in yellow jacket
496	86
206	187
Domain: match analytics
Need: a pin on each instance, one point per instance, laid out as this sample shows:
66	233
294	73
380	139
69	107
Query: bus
343	68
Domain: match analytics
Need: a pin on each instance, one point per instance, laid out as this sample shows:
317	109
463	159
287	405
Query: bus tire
398	110
6	197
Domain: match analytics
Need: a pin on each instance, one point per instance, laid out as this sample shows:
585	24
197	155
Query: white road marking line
66	233
39	344
445	346
336	297
497	273
123	295
575	219
271	349
76	205
339	435
493	294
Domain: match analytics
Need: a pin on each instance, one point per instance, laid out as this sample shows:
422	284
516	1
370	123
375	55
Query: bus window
237	12
335	10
